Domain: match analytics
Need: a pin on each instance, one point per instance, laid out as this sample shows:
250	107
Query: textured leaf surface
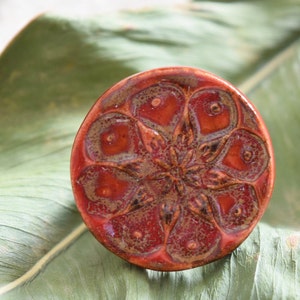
49	77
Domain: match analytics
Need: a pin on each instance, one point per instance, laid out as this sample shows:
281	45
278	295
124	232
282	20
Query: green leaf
51	74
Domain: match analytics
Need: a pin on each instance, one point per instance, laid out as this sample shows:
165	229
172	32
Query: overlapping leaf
49	77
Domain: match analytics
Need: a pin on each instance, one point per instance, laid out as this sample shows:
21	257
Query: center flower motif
180	170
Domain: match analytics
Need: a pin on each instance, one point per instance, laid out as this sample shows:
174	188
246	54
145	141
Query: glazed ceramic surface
172	168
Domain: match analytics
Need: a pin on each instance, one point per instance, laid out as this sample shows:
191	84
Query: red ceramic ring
172	168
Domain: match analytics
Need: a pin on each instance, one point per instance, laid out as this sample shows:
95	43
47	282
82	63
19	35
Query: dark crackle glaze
172	168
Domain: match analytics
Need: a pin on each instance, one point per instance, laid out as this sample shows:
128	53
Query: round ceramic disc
172	168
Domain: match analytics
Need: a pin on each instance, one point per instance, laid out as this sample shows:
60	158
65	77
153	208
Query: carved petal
235	208
244	156
159	106
212	112
137	232
113	137
107	189
193	238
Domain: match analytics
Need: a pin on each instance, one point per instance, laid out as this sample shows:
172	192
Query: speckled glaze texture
172	168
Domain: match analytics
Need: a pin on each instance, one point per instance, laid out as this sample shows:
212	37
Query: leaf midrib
46	259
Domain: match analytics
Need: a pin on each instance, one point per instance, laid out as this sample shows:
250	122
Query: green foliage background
52	73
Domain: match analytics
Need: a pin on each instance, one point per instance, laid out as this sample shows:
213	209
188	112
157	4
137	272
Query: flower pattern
173	174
